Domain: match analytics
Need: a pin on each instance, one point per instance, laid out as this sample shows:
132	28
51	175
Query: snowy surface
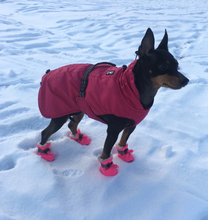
168	179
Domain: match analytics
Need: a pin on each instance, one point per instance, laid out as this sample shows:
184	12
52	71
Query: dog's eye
163	67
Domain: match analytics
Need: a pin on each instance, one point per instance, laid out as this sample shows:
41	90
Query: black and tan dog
120	97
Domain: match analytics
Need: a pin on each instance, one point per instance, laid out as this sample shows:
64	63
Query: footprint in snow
29	143
97	152
74	173
7	163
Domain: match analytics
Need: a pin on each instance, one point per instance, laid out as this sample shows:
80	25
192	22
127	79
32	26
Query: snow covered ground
168	179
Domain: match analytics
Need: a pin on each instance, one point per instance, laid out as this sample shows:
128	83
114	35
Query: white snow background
168	179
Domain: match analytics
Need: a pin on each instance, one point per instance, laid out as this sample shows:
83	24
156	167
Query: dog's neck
144	85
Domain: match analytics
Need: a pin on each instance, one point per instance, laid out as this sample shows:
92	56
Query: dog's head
159	64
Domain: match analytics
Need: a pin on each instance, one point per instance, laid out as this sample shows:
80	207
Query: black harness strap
124	67
86	75
43	151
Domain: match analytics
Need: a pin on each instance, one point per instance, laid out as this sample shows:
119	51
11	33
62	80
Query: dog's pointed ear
164	43
148	43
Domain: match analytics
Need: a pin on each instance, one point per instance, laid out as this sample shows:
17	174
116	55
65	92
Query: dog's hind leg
54	126
44	146
108	168
76	133
73	124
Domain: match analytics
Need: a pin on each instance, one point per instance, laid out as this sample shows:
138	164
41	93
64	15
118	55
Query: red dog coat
110	90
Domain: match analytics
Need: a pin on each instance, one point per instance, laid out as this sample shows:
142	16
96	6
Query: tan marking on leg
123	139
74	124
104	156
125	135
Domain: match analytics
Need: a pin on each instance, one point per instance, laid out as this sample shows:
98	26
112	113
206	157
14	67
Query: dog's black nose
184	81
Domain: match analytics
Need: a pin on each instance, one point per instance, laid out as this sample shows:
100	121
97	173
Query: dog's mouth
176	84
168	86
171	87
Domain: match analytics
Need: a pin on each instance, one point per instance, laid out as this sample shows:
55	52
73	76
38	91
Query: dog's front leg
115	126
44	146
123	152
108	168
112	136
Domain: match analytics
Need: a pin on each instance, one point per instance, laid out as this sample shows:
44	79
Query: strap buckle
106	165
122	152
43	151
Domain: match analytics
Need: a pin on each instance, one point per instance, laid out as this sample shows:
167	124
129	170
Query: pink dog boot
80	138
124	153
108	168
44	151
